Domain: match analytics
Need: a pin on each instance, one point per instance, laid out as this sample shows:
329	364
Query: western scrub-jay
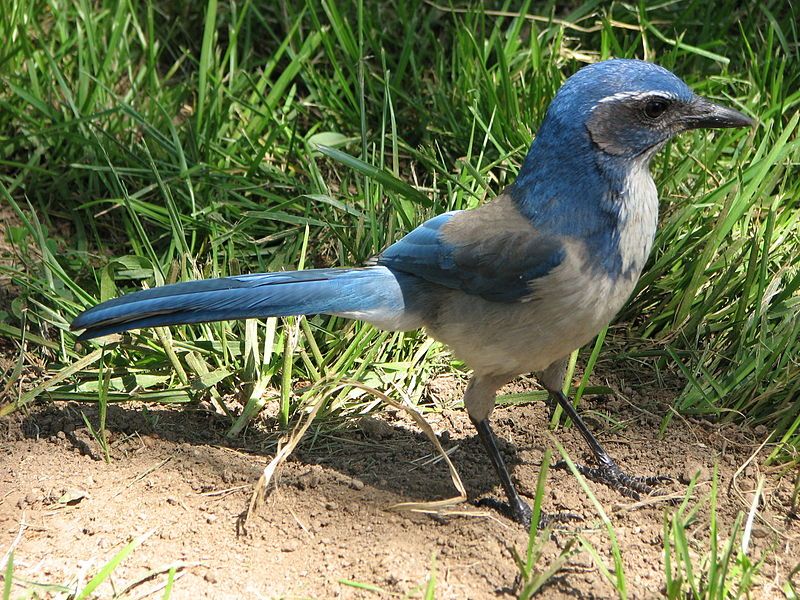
513	286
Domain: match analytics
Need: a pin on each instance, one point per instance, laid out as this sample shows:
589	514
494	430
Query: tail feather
358	292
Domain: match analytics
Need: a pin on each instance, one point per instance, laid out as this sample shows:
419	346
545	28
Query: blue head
611	116
601	130
626	108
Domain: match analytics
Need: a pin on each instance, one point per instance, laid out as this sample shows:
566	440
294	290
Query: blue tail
370	293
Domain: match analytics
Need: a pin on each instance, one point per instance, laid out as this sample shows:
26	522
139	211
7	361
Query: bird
513	286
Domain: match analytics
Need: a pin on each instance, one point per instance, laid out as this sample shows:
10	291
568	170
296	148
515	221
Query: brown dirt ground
174	478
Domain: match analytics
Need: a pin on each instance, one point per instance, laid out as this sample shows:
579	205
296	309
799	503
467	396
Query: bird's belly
513	338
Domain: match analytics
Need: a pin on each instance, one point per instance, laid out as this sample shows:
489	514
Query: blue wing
493	252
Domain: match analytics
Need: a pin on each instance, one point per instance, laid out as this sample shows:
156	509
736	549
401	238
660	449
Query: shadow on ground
176	480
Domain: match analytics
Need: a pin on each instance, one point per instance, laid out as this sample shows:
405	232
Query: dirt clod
694	469
376	429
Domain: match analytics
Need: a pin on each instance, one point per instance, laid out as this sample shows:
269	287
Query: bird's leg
551	404
517	508
479	401
607	471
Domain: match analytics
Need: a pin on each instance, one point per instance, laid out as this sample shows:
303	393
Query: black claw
547	519
522	513
610	474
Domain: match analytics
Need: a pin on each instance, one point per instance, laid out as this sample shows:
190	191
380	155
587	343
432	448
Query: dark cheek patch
608	125
619	128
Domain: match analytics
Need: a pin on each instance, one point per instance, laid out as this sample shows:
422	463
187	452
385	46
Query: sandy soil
176	481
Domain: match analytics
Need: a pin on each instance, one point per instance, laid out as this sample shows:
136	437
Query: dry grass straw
288	443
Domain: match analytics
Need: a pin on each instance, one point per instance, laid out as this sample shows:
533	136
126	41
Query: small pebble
357	484
227	476
331	505
376	429
210	577
308	480
694	468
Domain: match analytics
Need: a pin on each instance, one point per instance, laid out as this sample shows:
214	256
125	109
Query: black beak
703	113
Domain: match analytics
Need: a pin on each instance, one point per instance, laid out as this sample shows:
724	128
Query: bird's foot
611	475
521	513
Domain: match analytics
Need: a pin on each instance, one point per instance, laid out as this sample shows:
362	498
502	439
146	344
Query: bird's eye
655	107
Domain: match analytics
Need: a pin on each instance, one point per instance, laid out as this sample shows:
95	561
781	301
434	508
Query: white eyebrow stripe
636	95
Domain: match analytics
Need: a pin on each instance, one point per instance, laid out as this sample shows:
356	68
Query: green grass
725	571
532	575
150	142
146	143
